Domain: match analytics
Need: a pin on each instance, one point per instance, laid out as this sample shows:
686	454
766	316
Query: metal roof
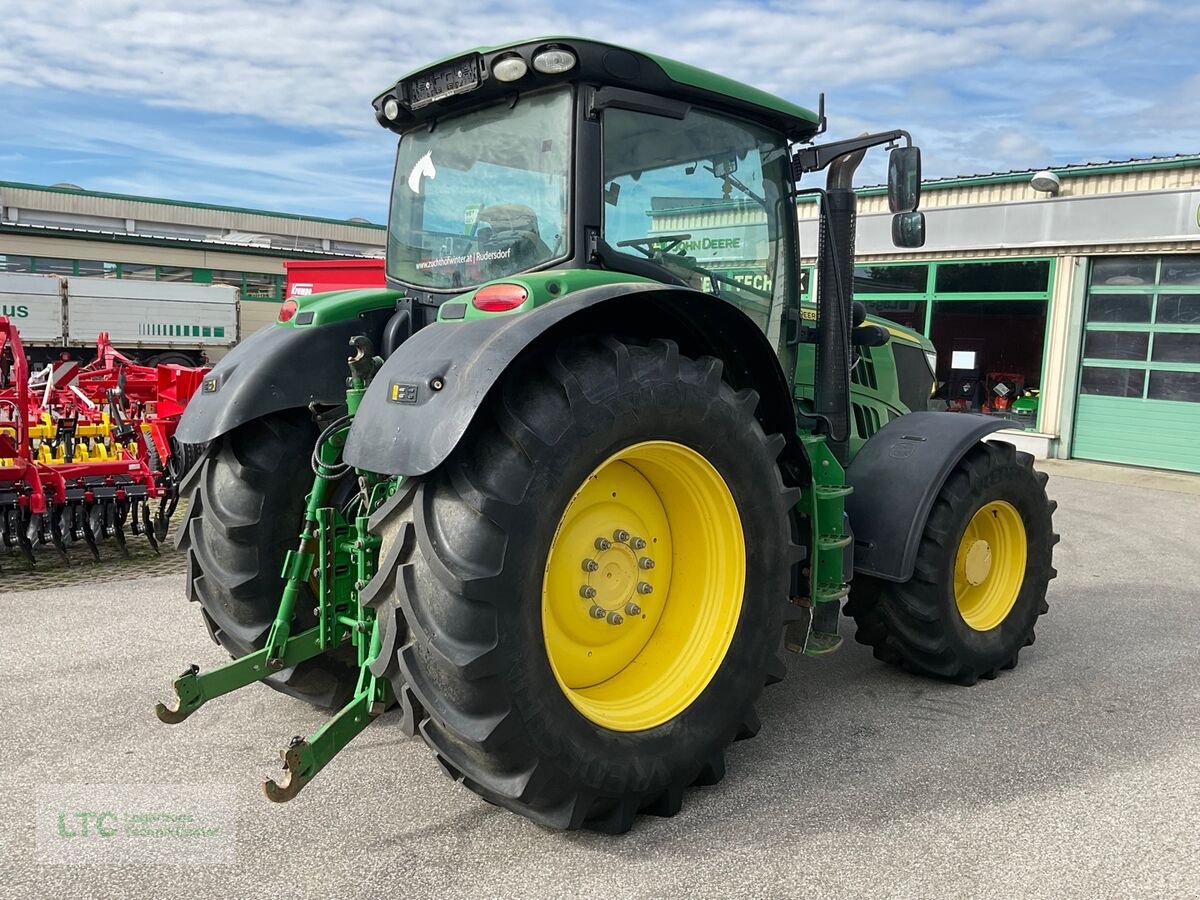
1069	170
79	192
116	237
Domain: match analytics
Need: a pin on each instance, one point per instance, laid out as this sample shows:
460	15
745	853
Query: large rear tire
572	707
244	513
981	574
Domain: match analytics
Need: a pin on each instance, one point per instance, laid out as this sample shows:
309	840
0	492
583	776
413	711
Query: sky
267	104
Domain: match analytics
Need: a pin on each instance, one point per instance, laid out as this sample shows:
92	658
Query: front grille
863	372
866	419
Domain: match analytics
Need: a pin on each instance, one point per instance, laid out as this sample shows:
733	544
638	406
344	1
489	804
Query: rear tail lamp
499	297
288	310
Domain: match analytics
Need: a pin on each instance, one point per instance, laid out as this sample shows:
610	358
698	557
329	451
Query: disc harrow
88	455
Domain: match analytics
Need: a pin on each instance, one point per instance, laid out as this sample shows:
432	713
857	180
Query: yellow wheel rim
643	586
989	568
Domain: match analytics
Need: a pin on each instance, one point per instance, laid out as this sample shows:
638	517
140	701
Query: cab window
706	198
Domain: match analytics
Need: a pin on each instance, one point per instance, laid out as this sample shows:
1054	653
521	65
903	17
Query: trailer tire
981	574
244	513
187	360
472	610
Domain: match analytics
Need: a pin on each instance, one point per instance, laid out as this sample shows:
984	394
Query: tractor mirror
908	229
904	179
725	166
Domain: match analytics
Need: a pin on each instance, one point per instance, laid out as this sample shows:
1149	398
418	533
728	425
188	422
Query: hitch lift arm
342	555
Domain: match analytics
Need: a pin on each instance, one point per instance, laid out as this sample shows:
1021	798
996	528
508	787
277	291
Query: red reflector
499	297
288	310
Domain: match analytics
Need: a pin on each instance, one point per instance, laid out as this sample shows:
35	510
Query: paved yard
1076	775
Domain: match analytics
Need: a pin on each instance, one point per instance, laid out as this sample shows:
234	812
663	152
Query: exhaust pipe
835	267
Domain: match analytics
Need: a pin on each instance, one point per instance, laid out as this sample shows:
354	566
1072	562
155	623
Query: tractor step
814	632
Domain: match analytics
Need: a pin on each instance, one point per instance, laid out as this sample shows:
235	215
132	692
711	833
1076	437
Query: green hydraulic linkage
340	554
823	507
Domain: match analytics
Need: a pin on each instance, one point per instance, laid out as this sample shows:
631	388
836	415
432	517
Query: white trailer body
34	303
158	314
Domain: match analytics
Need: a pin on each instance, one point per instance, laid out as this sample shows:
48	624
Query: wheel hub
978	562
616	578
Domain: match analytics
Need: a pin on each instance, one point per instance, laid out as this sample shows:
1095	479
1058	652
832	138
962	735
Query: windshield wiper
659	257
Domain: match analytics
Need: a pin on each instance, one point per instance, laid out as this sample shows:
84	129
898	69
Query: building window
139	272
1021	277
990	355
10	263
54	266
1112	382
1182	387
260	286
95	269
1141	335
234	279
174	273
987	321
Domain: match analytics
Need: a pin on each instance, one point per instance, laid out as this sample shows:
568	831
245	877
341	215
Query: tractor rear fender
896	476
276	368
427	393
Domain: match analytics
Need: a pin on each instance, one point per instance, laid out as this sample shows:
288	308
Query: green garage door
1139	382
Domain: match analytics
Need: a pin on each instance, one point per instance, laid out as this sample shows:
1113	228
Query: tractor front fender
428	392
896	476
278	367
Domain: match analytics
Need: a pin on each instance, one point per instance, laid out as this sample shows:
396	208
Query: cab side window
703	196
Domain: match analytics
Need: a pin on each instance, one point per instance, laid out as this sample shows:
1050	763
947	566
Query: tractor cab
561	153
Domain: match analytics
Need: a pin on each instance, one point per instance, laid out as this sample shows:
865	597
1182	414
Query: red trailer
306	277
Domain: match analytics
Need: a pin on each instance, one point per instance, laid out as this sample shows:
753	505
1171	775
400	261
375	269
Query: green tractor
592	462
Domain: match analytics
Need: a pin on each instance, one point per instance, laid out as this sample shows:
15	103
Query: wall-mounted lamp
1046	182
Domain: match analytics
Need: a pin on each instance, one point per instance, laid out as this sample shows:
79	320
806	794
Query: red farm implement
86	453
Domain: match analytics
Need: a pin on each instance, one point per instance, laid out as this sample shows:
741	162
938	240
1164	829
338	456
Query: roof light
510	68
288	310
499	297
554	61
391	109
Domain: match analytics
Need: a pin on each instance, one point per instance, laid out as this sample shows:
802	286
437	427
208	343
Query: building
65	230
1073	311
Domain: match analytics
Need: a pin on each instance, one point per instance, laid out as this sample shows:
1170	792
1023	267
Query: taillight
499	297
288	310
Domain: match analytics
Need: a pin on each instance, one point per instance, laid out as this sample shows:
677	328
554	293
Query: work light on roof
509	68
554	61
391	109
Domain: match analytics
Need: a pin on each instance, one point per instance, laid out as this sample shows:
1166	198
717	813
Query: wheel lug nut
638	543
587	592
632	609
620	535
603	543
646	562
644	588
590	565
615	618
598	612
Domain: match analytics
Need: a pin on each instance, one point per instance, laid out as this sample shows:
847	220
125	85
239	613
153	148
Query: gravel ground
1076	775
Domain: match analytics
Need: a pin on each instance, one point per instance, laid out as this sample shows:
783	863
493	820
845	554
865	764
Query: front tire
981	574
525	693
